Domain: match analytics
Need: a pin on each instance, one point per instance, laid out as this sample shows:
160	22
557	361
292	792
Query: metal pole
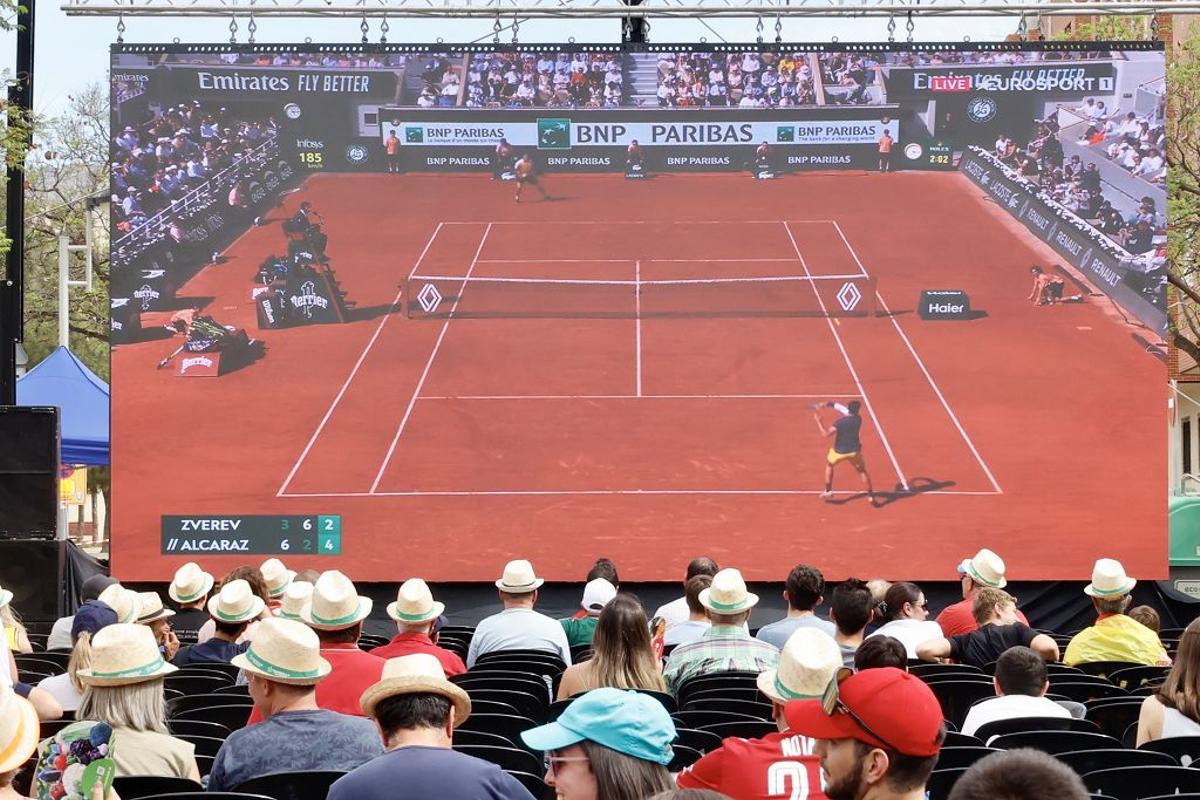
64	292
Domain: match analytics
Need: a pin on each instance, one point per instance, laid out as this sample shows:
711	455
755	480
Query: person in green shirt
597	593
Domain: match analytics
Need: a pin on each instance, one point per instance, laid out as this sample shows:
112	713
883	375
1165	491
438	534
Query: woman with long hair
622	657
14	631
906	617
1174	710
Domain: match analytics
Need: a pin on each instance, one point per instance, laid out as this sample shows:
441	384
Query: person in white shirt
697	622
1152	162
1021	682
60	634
518	626
676	612
906	617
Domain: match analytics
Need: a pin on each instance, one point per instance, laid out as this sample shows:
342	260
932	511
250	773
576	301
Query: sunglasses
550	763
832	703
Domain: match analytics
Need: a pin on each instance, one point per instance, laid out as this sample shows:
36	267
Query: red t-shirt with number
779	765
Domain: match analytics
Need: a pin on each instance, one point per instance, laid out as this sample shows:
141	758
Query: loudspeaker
29	464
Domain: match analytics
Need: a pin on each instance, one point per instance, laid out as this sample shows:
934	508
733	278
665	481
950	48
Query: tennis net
442	297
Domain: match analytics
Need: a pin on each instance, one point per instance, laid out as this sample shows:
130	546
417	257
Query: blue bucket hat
623	720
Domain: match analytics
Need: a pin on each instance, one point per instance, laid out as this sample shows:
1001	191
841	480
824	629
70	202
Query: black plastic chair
39	664
957	696
752	729
521	655
925	670
746	707
704	741
205	745
465	630
1137	783
205	764
479	737
528	666
197	727
954	739
714	680
509	759
941	782
1055	668
1129	737
509	726
702	719
298	785
192	683
1114	714
51	727
190	701
684	757
748	693
1083	691
207	796
132	787
242	689
581	652
534	784
961	757
493	707
524	703
1184	750
1132	678
1085	761
1001	727
508	681
233	717
215	667
59	658
1102	669
1054	741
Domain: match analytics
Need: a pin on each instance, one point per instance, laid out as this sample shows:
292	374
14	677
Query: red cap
902	713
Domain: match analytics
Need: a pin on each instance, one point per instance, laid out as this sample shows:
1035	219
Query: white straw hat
808	662
414	603
18	729
276	576
1109	580
727	594
420	673
123	601
236	602
124	654
519	578
284	651
190	583
985	568
151	608
295	600
5	597
336	604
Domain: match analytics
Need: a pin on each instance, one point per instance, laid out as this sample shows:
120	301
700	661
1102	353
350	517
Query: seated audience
295	600
622	657
154	615
1021	774
850	610
276	578
878	734
67	688
604	568
1115	636
906	617
190	589
124	602
609	743
15	634
1021	683
697	622
727	645
1174	708
996	614
283	667
803	590
983	570
125	693
416	710
1147	616
518	626
252	576
880	651
18	738
597	593
416	612
743	768
676	612
60	634
232	610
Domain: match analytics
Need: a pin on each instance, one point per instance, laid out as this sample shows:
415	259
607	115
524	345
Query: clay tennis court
604	404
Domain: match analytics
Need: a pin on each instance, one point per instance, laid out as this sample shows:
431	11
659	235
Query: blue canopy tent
62	380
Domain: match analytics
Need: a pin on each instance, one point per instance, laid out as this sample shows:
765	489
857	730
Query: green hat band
276	671
338	621
134	672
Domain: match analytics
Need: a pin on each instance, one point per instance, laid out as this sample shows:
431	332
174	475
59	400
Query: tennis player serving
847	446
526	174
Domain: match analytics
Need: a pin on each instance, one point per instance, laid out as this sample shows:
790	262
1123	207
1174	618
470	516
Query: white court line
544	223
629	260
425	372
637	301
585	492
812	279
826	396
849	365
932	383
361	358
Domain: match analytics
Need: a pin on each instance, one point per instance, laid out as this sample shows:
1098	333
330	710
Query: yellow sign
72	488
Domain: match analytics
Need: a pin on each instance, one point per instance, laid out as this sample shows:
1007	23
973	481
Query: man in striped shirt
727	645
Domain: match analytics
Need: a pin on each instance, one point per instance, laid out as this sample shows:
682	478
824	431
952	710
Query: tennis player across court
847	445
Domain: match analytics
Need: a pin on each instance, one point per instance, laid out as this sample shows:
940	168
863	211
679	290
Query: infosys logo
554	133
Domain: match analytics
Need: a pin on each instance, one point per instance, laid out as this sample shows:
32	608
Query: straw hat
123	601
18	729
336	604
151	608
5	597
190	583
985	568
415	603
420	673
808	662
236	602
276	576
296	598
284	651
519	578
1109	580
727	594
122	655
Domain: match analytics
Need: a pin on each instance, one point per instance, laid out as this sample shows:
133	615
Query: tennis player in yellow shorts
847	446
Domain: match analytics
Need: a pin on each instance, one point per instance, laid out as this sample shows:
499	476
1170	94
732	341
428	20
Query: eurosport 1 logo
982	109
554	133
357	154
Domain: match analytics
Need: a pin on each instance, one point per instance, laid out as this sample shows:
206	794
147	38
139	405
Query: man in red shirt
336	614
416	612
780	764
985	568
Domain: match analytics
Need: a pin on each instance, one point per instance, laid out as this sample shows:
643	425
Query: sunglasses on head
832	703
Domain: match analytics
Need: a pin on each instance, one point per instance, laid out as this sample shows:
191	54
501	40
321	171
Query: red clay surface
449	448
